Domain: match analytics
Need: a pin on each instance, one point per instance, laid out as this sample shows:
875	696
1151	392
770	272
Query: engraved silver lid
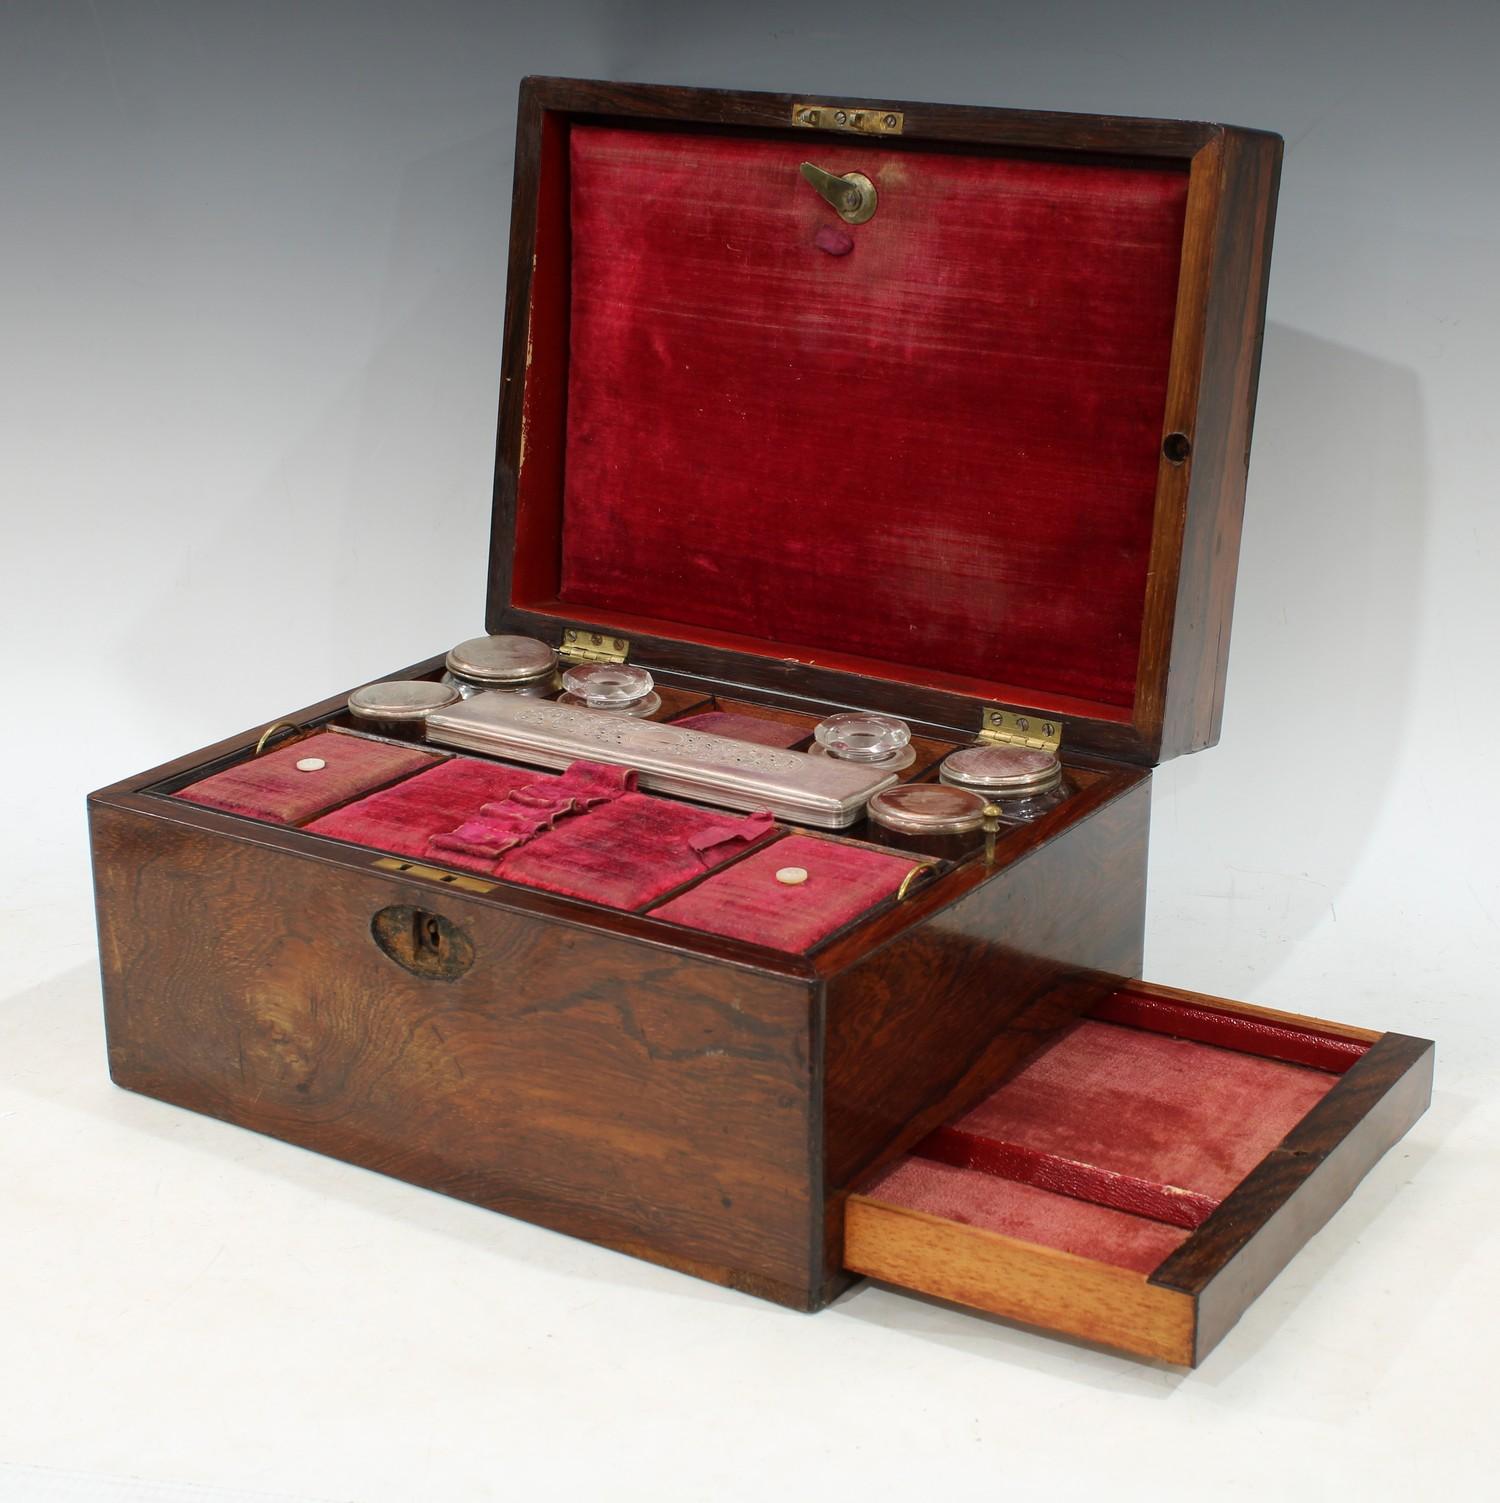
400	699
928	809
1002	771
502	660
670	759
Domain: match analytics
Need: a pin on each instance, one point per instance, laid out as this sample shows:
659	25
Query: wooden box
977	460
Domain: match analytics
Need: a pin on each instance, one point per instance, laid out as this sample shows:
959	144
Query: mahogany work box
807	405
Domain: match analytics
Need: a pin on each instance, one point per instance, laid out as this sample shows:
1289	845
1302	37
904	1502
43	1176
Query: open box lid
983	449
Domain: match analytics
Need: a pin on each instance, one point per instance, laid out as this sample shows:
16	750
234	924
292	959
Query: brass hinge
1007	728
864	122
592	647
432	874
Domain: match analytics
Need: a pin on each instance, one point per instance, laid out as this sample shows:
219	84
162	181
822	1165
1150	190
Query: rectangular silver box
810	790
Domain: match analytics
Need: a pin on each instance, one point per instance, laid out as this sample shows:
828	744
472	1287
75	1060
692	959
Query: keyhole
426	944
427	933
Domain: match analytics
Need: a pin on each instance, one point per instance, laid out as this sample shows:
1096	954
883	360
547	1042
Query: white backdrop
250	319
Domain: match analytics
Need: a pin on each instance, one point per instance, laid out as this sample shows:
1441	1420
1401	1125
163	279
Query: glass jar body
542	687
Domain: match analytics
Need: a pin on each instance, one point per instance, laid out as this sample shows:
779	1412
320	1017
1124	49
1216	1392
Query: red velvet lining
623	853
1295	1043
1162	1109
747	902
954	427
403	819
524	813
272	787
1024	1212
628	853
1148	1128
1047	1171
758	728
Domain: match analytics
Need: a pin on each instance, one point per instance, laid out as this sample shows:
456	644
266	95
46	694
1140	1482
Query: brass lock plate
864	121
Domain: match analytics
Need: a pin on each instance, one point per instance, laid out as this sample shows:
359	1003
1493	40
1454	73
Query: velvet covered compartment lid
923	409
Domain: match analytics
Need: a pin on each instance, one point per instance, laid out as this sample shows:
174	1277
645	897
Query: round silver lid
1002	771
502	660
400	699
928	809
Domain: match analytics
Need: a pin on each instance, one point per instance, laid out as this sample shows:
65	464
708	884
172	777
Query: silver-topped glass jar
614	687
514	665
928	817
399	707
1021	781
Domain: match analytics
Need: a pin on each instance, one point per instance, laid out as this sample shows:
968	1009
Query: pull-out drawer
1139	1181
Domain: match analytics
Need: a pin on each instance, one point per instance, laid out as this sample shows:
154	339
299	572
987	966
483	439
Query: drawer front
611	1089
1139	1183
1039	1286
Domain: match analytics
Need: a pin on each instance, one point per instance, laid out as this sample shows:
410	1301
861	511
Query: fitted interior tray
333	788
1143	1177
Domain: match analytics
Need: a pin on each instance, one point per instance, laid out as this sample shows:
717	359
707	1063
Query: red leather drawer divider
1049	1171
1247	1034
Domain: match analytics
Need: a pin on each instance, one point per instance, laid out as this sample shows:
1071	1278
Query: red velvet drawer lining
1296	1043
1029	1214
1169	1111
1154	1124
1168	1204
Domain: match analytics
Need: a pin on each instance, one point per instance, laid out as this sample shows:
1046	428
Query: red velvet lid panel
985	448
932	439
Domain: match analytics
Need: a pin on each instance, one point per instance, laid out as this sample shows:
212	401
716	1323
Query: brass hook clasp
852	195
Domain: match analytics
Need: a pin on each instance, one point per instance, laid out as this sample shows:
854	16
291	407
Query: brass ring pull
907	881
270	730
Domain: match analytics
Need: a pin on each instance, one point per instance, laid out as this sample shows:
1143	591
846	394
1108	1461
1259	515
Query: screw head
840	117
890	122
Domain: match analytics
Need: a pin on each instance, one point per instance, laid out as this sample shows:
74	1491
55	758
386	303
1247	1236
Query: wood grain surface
622	1092
1020	1280
1260	1226
285	982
